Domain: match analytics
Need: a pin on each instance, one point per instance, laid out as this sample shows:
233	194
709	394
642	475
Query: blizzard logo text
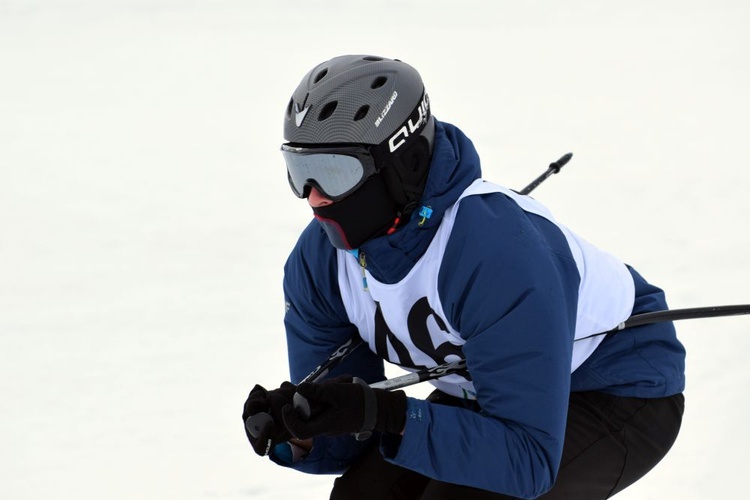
386	109
410	127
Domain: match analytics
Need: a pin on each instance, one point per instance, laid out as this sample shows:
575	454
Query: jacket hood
455	165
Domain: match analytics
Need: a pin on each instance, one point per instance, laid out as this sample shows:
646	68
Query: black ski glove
264	424
346	407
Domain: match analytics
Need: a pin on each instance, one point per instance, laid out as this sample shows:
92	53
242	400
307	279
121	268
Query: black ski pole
553	168
334	359
676	315
636	320
689	313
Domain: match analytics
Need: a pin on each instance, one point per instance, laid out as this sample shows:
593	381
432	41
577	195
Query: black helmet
360	124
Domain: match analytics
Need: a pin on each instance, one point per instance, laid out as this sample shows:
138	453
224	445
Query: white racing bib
405	322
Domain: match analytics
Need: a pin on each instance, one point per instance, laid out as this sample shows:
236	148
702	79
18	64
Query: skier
411	250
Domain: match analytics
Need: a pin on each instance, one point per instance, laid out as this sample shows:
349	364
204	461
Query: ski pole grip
302	405
256	424
371	411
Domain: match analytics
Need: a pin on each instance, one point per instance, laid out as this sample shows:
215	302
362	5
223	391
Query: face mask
363	215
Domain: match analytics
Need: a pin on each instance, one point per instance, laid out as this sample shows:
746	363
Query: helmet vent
327	110
372	58
361	112
289	108
378	82
320	75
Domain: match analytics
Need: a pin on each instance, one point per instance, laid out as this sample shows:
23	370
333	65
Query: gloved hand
264	424
346	407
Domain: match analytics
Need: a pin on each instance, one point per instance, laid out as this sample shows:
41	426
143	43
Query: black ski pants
610	442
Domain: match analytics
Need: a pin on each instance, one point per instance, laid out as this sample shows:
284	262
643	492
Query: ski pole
676	315
334	359
553	168
689	313
421	376
632	322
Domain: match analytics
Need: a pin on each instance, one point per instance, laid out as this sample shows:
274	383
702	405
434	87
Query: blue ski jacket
514	445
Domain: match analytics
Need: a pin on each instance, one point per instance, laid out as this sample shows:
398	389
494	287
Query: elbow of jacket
537	470
540	483
544	485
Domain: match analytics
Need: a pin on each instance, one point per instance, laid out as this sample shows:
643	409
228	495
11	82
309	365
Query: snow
146	217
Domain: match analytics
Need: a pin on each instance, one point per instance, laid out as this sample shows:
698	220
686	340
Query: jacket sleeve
511	292
316	325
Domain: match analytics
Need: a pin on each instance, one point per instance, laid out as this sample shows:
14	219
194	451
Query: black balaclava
363	215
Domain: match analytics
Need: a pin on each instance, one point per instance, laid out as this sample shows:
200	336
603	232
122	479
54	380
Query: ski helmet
357	99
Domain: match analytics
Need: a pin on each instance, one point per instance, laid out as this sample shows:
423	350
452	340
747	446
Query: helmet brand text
386	108
407	129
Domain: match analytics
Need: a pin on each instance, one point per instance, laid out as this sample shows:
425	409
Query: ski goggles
335	171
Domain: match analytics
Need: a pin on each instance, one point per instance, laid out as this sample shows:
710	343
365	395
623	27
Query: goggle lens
336	172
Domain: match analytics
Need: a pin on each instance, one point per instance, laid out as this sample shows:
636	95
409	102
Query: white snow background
145	214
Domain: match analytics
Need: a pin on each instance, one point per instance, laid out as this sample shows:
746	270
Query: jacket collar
455	165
